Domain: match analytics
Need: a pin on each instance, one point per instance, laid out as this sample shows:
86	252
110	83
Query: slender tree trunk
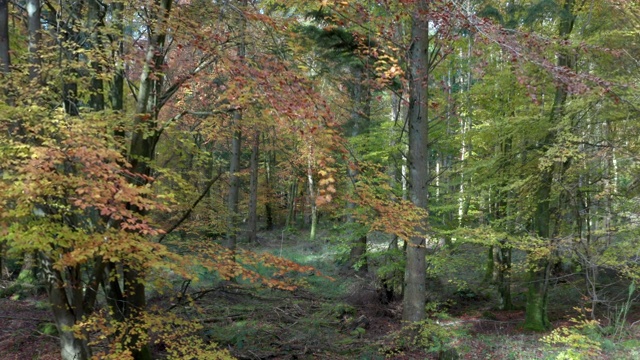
253	189
465	127
268	206
312	200
141	153
5	58
361	97
234	163
116	88
234	184
415	273
5	54
72	40
95	18
291	203
34	28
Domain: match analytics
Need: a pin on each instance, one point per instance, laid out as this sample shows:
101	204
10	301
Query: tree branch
193	206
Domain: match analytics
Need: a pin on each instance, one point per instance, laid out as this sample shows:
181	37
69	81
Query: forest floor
339	315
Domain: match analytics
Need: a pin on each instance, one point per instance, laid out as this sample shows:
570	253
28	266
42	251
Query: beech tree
122	123
79	180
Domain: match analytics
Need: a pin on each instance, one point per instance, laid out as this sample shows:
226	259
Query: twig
26	319
188	212
222	318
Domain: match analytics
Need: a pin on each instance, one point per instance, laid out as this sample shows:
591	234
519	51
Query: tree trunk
116	88
361	97
234	163
415	273
234	184
5	58
358	253
312	200
536	309
4	270
67	308
291	203
253	189
141	153
268	206
503	278
95	18
33	13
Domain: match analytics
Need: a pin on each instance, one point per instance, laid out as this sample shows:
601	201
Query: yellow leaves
327	3
327	181
579	338
178	336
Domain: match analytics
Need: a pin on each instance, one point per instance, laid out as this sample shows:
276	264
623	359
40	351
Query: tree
5	59
420	60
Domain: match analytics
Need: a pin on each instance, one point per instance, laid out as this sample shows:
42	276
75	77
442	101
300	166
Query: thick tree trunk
67	308
536	311
503	276
415	273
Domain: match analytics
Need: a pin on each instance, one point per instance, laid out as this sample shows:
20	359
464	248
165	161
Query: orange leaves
70	194
381	210
326	183
256	268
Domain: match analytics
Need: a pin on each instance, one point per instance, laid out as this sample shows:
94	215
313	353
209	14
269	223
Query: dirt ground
20	338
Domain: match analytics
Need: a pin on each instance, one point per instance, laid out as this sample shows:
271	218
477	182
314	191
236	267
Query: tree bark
312	200
95	18
234	184
234	163
415	273
34	28
66	304
253	189
503	276
5	57
268	206
361	97
291	203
